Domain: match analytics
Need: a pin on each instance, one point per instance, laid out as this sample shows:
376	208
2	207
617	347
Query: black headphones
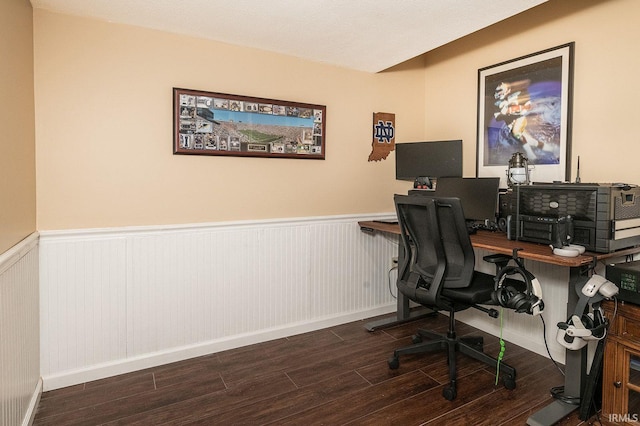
508	296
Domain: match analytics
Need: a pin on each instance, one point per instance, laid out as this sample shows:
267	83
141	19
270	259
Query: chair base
470	346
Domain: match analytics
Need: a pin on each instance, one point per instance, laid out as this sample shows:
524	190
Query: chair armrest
498	259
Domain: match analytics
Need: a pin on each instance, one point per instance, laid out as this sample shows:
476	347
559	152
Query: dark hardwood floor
333	376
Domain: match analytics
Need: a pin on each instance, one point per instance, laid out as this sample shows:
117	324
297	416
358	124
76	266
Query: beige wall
104	120
104	129
17	145
606	90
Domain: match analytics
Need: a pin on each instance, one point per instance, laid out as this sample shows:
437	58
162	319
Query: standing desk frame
496	242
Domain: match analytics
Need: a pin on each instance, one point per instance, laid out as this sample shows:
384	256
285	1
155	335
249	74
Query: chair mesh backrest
421	251
437	235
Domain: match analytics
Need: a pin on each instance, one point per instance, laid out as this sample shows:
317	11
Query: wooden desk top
497	242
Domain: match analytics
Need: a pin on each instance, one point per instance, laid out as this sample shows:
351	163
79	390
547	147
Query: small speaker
502	224
506	204
508	226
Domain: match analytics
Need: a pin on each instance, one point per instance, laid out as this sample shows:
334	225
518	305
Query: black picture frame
525	105
211	123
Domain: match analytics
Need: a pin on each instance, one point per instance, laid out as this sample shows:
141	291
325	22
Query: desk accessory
583	327
508	294
518	170
569	250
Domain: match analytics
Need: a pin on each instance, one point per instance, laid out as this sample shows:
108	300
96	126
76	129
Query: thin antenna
578	171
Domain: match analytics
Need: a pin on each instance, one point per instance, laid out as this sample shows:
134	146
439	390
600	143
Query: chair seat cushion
479	292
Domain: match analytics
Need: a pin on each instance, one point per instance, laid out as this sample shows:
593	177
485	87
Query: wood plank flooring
334	376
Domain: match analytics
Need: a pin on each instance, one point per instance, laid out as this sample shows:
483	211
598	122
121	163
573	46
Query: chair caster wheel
416	338
449	393
509	383
394	363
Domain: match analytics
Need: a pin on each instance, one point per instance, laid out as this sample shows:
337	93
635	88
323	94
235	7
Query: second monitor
478	196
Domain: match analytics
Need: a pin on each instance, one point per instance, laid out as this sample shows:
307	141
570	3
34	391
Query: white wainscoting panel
83	301
20	385
115	300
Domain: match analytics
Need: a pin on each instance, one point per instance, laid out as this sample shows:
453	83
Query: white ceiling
365	35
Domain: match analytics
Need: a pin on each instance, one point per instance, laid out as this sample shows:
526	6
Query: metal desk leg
403	312
575	371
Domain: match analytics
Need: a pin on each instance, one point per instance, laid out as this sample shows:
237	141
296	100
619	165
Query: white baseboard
30	415
96	372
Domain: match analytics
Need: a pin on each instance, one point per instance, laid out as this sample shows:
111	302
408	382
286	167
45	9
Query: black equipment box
604	217
540	229
627	277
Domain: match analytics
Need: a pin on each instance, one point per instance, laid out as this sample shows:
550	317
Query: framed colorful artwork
208	123
524	105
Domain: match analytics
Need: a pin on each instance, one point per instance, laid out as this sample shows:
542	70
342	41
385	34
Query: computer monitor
478	196
428	159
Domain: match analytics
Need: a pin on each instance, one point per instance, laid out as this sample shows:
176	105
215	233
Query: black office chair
437	271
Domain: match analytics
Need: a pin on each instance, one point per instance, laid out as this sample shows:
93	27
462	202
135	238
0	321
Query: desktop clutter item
587	324
518	170
569	250
422	182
